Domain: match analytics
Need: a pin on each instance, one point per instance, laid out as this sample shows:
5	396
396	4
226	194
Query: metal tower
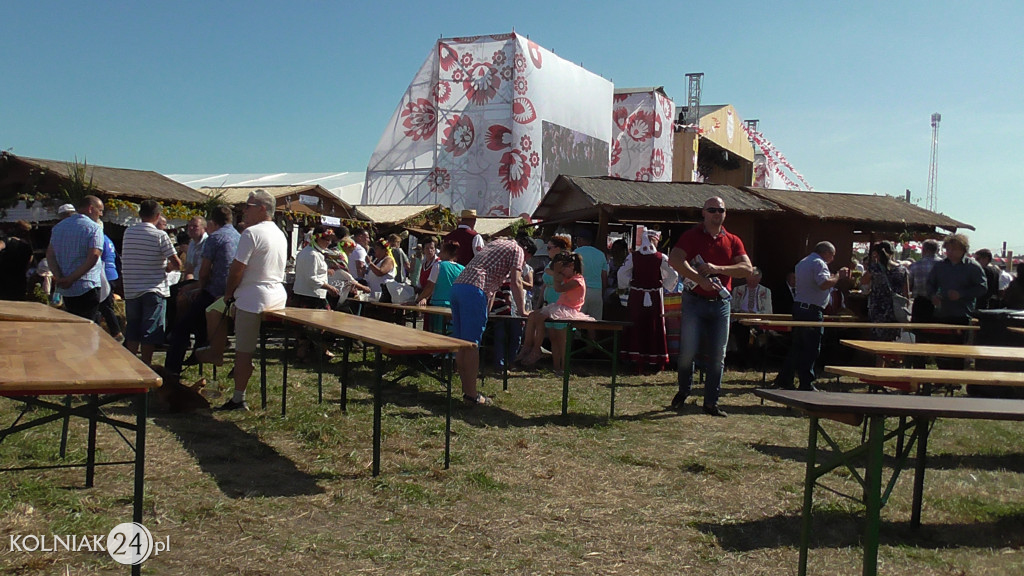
694	81
933	165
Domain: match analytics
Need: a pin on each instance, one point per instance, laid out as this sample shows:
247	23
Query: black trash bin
993	331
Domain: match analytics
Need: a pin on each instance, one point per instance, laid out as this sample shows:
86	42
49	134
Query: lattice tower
933	165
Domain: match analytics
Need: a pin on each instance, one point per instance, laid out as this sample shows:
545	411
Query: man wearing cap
469	241
710	257
76	244
255	283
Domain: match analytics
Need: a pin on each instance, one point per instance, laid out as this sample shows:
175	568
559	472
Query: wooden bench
917	415
388	339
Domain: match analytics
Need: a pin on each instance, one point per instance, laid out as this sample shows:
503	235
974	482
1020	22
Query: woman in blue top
437	289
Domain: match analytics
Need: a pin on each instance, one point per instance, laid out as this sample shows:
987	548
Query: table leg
566	369
922	462
344	374
320	370
64	428
615	370
263	366
873	494
508	354
90	458
449	371
377	388
809	479
284	374
141	414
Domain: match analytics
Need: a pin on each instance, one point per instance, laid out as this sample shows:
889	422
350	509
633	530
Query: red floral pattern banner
642	137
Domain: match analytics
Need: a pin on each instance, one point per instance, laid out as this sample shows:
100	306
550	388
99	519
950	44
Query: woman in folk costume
647	274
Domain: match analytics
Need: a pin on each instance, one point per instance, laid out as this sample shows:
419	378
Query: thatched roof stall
840	218
495	227
612	201
34	187
303	203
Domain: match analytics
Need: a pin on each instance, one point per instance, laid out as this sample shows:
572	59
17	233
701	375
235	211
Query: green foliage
78	183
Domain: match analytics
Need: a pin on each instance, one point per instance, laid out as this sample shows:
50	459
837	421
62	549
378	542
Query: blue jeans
705	329
804	351
503	331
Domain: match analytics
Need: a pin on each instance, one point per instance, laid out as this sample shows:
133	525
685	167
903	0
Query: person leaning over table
814	284
955	284
255	284
472	294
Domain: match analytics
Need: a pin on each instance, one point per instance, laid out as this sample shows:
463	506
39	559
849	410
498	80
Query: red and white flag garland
773	157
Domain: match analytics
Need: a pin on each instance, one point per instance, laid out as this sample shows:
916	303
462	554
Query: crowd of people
178	292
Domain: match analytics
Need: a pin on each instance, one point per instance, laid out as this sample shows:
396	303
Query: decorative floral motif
520	63
439	179
619	116
458	75
498	58
514	172
466	59
521	85
482	83
535	53
616	151
420	119
658	163
466	39
619	98
525	142
640	125
534	159
643	175
666	106
507	74
523	111
442	91
448	56
498	137
459	135
497	210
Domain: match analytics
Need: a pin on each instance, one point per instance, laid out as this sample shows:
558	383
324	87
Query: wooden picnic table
911	378
917	415
35	312
73	360
899	349
783	325
390	339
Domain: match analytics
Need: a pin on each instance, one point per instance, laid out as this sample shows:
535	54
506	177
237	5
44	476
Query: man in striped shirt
147	254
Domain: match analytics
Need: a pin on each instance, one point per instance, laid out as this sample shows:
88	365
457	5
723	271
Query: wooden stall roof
393	213
870	209
110	182
572	197
492	227
234	195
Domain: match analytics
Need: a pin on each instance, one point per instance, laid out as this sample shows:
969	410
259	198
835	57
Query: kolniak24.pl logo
128	543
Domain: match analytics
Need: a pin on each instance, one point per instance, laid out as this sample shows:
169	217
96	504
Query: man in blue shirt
76	244
814	284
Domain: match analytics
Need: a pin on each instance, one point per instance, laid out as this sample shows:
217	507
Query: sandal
478	400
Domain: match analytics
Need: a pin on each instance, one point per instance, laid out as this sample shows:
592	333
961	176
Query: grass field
528	492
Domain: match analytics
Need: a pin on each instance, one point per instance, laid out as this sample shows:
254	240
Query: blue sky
844	90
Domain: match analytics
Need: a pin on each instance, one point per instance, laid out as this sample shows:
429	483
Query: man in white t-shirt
255	284
357	259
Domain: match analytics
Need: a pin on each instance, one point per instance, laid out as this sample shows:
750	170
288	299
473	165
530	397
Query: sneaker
478	400
715	411
808	388
232	405
679	400
119	338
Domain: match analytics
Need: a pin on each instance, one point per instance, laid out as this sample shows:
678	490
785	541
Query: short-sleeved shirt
492	265
219	249
720	250
144	253
811	272
195	254
72	239
109	258
358	255
263	249
443	275
594	262
310	273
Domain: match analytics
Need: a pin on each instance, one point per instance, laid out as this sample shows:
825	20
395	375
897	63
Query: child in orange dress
572	289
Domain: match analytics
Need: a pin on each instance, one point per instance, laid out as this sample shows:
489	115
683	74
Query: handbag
900	305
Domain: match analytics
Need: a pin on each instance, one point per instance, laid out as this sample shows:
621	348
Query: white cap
65	209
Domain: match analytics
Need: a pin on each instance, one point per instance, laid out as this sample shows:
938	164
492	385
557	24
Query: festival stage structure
487	123
642	129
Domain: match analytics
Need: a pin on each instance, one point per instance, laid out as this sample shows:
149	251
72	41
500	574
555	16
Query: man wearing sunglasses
709	257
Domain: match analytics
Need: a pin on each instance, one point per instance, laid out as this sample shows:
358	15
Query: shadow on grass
834	529
240	463
999	462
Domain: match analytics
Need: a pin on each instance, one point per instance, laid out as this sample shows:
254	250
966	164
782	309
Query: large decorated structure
642	131
487	123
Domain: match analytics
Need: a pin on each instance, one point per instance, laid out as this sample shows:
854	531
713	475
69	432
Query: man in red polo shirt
710	257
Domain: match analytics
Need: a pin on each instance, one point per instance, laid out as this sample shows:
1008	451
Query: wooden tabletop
437	310
66	357
896	405
941	350
922	376
392	338
35	312
855	324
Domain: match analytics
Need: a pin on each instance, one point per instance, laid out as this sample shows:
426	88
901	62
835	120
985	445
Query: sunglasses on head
715	210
